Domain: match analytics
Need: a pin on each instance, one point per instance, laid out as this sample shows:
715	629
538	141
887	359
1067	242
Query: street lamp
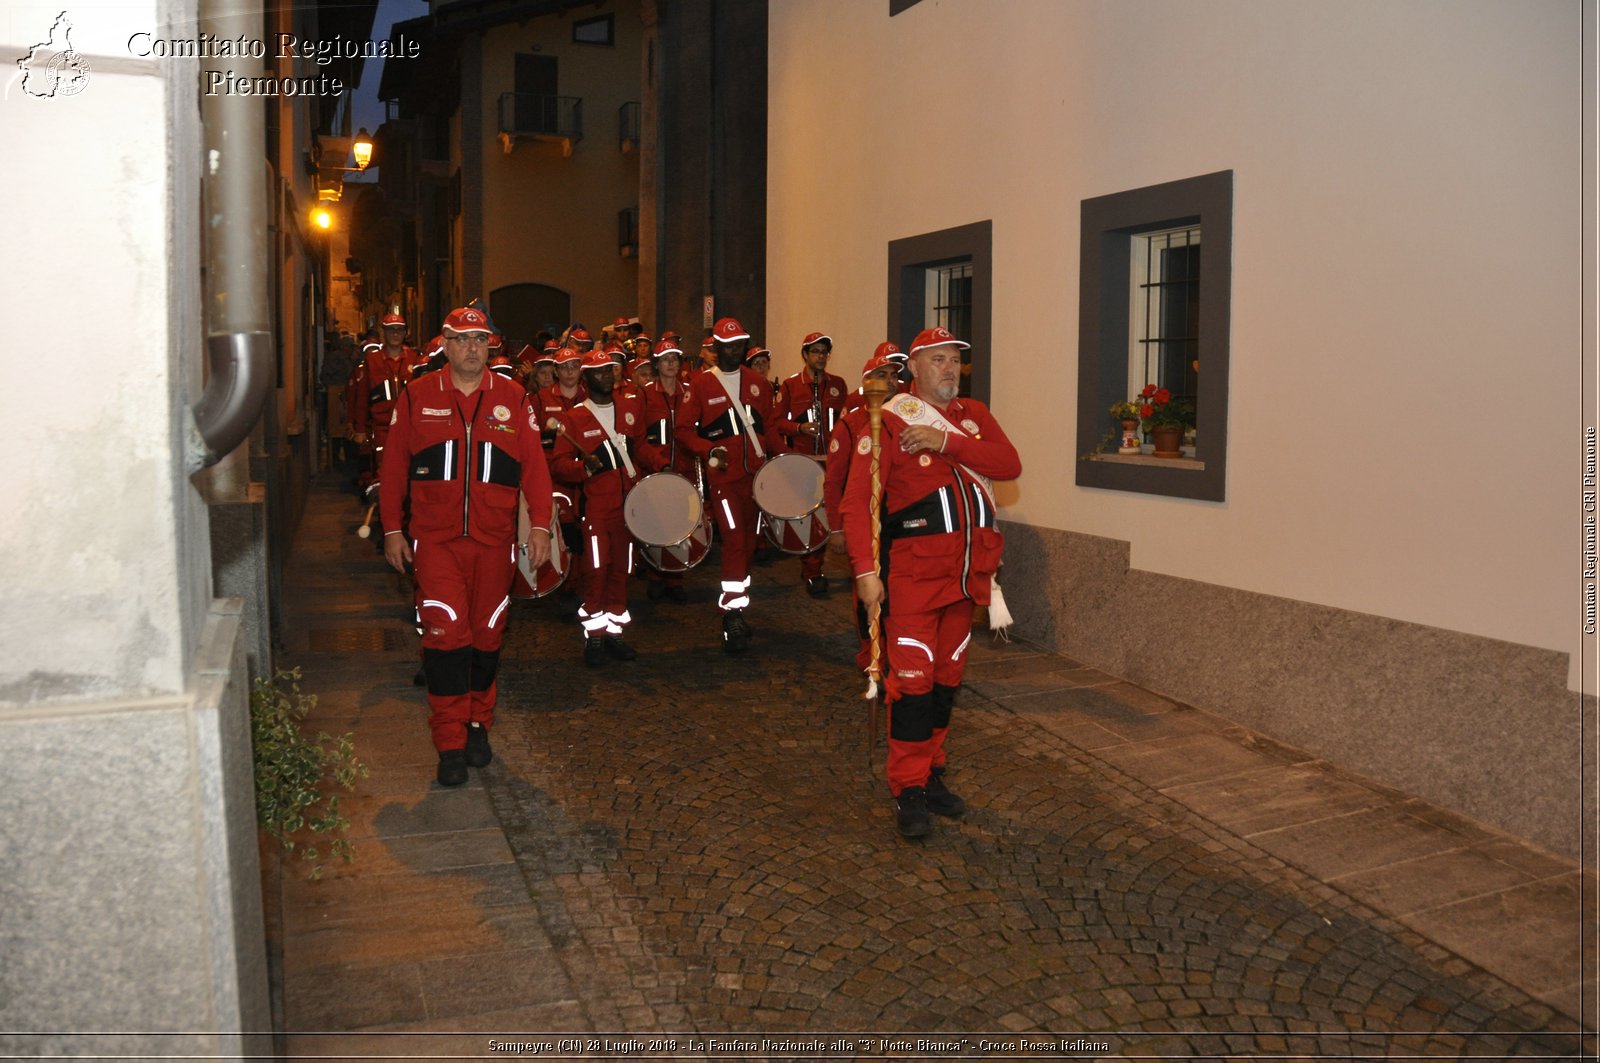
362	148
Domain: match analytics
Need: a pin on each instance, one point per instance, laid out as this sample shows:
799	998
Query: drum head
663	509
789	486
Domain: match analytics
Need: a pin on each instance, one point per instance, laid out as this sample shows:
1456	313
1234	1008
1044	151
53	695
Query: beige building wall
551	218
1393	580
1405	307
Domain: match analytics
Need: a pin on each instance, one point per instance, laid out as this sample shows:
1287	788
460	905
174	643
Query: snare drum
529	582
673	527
788	491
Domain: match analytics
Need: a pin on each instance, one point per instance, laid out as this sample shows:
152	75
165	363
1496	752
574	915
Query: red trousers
464	589
606	564
927	654
733	506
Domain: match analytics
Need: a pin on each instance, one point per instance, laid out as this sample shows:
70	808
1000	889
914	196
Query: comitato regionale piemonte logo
52	68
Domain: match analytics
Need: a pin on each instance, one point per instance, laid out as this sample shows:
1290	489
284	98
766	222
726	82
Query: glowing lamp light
362	148
322	218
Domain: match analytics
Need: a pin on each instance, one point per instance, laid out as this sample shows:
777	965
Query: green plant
295	772
1124	411
1157	409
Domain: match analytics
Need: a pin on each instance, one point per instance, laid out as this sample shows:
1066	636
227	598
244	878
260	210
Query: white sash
620	445
738	411
913	410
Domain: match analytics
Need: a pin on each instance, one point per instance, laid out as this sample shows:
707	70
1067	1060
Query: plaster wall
1406	298
550	219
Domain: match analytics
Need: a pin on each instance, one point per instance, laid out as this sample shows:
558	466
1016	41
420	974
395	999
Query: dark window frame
1108	224
610	22
910	259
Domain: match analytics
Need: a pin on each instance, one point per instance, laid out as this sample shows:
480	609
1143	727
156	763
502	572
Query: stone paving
693	844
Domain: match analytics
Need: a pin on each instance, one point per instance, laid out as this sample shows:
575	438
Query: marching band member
594	453
550	403
659	450
725	421
938	455
462	446
808	407
377	384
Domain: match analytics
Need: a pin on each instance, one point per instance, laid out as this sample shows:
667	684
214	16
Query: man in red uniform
659	450
463	445
808	406
841	448
938	454
377	384
594	453
725	421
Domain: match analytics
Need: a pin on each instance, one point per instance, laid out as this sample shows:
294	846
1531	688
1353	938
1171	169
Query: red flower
1149	390
1146	410
1163	396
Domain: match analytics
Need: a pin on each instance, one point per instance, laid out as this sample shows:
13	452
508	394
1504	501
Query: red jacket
603	491
549	403
706	420
464	458
376	384
799	403
938	522
658	447
841	448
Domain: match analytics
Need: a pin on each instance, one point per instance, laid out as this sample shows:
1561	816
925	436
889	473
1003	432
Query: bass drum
530	582
788	491
673	527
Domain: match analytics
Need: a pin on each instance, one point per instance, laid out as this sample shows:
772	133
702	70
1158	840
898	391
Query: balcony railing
628	126
628	232
527	116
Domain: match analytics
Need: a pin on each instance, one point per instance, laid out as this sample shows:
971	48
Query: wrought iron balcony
527	116
628	126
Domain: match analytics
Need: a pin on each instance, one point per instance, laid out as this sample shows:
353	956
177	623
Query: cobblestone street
693	843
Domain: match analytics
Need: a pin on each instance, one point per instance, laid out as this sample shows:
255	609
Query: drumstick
365	531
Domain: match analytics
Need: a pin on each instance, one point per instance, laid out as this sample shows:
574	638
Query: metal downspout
234	198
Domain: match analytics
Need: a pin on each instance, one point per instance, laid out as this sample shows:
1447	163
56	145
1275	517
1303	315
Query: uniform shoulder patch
833	447
970	425
864	445
502	413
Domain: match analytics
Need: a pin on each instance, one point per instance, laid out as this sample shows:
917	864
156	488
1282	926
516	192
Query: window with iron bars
1164	312
949	302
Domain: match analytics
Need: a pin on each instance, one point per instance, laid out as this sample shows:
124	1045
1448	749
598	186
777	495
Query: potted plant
1165	419
1127	415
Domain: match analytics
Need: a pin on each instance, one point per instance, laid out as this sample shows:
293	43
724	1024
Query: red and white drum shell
530	582
788	491
665	514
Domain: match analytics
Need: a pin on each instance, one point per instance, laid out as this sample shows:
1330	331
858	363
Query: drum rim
774	461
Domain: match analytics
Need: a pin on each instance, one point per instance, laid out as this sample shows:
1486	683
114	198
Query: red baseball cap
579	335
756	352
879	360
816	337
936	337
467	319
496	341
890	350
620	322
671	334
393	319
597	359
567	354
668	346
728	330
635	363
434	346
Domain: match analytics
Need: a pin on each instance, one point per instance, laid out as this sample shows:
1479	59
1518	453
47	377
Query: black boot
735	631
452	767
478	752
594	651
619	649
911	813
941	802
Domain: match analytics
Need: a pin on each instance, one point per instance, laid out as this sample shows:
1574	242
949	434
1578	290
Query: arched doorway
521	310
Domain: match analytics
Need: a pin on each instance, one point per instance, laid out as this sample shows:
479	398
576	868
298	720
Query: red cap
620	322
496	341
890	350
671	334
567	355
936	337
667	346
579	335
393	319
551	346
634	364
434	346
816	337
499	363
728	330
756	352
597	359
467	319
879	360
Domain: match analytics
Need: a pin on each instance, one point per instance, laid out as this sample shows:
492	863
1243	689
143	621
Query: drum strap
739	411
618	444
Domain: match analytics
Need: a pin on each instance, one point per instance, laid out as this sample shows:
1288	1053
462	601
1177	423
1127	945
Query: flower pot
1167	440
1130	438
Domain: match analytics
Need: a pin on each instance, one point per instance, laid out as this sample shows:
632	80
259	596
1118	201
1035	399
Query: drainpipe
234	198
